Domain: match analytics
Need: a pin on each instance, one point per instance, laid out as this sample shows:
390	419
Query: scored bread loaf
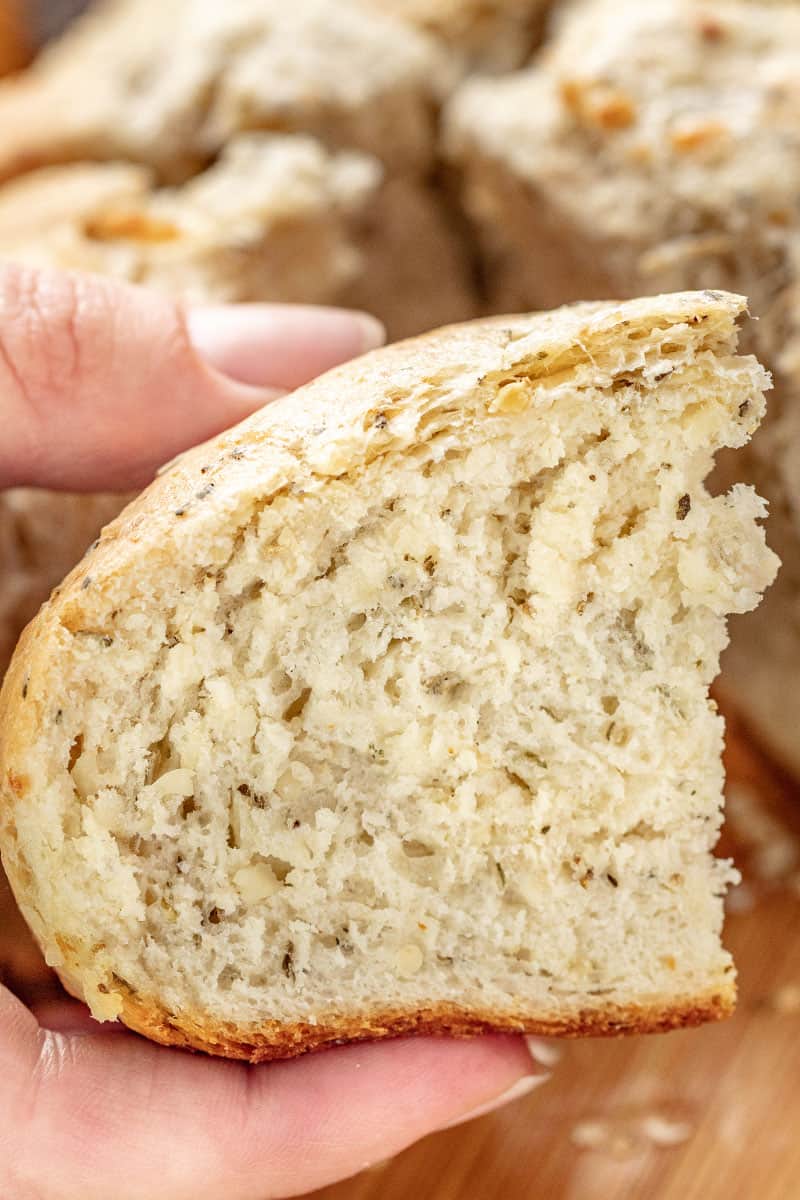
388	710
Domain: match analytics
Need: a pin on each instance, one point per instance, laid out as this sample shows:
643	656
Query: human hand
98	385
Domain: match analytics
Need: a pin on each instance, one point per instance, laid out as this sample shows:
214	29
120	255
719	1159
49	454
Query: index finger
107	1113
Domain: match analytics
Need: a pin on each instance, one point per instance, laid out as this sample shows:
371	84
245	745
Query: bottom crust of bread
275	1040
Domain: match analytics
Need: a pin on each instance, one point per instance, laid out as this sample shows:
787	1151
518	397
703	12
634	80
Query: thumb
101	382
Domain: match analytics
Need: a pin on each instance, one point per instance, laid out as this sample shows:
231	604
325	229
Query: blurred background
432	160
27	24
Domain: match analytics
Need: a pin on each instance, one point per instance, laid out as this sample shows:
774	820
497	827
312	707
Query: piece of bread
494	35
169	82
651	148
388	709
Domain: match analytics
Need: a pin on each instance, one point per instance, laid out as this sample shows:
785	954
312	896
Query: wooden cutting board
710	1114
14	43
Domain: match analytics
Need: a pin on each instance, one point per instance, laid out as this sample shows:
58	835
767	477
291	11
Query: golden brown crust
275	1040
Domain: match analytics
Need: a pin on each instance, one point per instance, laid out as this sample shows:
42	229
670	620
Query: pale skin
99	385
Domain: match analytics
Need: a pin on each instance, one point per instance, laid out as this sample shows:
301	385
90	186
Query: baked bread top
388	709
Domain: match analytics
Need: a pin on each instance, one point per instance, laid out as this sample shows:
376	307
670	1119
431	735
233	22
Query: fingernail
521	1088
280	345
547	1054
373	331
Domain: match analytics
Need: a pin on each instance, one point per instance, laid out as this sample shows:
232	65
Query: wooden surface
727	1096
14	42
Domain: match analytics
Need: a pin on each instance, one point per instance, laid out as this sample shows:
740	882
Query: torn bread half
387	711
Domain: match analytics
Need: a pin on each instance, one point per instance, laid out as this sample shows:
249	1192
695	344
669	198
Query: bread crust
275	1040
327	429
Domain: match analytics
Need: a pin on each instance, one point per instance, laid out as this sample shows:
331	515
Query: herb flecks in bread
388	710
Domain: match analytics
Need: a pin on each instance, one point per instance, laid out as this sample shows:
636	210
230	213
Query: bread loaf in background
651	147
173	86
169	83
276	218
388	709
15	39
655	147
